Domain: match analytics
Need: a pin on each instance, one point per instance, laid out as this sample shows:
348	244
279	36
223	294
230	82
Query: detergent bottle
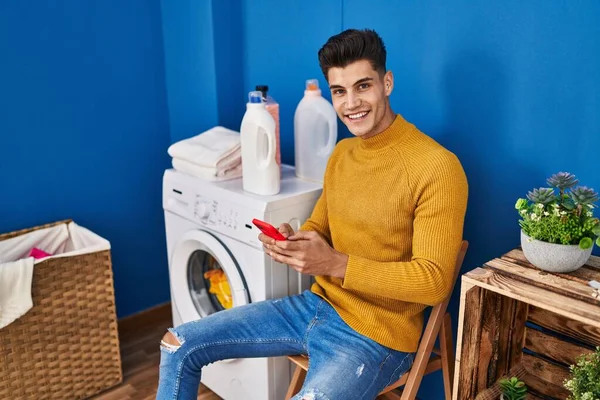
260	173
273	108
315	133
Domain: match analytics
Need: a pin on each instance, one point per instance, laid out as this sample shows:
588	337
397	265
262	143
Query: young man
381	242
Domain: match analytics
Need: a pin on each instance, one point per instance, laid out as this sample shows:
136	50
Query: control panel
214	213
227	218
228	211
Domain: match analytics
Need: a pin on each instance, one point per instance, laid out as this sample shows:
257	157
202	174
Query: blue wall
203	55
190	73
229	51
84	129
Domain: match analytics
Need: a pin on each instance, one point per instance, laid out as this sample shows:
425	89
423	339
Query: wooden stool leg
296	383
447	350
389	396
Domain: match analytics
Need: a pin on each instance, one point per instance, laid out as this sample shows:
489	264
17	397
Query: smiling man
381	243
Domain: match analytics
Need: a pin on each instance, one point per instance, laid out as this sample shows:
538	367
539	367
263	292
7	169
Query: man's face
360	97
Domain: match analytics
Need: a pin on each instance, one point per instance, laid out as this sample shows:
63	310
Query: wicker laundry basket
67	345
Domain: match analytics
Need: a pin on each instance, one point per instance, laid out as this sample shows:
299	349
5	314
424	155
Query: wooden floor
140	354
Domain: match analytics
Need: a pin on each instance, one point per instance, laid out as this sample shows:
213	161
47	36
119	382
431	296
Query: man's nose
352	101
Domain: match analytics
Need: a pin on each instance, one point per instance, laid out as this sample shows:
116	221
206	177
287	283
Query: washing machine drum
205	277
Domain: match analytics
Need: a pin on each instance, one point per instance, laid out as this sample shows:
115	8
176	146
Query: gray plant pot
554	257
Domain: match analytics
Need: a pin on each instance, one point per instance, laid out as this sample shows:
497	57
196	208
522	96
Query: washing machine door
205	277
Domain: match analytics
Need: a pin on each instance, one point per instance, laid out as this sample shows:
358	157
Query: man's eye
363	86
338	92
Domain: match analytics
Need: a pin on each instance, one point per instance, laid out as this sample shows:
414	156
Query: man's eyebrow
363	80
358	82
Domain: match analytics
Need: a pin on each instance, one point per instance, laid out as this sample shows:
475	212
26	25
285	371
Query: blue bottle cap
255	97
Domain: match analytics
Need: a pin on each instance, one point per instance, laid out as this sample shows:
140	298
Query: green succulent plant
542	195
584	195
585	243
562	180
566	218
584	382
513	388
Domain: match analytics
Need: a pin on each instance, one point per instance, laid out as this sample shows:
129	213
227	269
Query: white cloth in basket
15	290
16	267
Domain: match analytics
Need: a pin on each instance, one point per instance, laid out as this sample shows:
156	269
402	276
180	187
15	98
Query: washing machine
217	262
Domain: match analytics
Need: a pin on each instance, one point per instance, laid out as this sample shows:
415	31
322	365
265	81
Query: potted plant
585	377
512	389
558	230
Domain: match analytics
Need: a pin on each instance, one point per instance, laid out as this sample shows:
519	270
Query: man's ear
388	82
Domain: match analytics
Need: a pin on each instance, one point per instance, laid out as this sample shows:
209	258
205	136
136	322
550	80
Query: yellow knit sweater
395	204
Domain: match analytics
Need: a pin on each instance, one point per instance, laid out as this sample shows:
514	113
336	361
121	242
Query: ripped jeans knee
171	341
310	394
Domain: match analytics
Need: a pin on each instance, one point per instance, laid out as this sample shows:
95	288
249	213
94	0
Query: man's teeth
357	116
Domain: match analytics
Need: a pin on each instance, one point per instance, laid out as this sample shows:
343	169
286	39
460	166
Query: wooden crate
516	320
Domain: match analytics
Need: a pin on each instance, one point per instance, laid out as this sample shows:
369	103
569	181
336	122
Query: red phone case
268	229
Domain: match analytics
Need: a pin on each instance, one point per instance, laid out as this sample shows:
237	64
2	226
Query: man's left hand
308	253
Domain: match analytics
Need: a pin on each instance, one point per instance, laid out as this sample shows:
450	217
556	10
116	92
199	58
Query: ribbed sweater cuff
357	273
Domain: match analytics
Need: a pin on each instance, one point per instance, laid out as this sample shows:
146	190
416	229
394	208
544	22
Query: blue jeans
344	364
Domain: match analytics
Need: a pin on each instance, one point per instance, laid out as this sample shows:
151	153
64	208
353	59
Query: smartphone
268	229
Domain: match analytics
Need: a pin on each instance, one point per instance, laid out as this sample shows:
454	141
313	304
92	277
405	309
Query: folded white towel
15	289
231	160
209	174
211	149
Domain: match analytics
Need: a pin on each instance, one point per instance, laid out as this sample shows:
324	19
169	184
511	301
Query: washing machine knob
202	211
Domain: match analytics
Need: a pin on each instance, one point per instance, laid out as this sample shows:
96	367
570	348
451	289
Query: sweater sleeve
318	220
440	197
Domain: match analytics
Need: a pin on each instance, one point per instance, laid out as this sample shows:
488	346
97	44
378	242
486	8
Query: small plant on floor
585	377
564	218
513	388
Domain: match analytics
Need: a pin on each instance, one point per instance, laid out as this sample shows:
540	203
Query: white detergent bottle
315	133
260	172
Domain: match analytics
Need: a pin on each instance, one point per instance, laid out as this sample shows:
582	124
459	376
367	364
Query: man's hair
350	46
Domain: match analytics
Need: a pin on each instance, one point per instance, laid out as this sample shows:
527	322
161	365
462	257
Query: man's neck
386	122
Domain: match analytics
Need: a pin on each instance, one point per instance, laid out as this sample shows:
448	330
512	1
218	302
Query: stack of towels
214	155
